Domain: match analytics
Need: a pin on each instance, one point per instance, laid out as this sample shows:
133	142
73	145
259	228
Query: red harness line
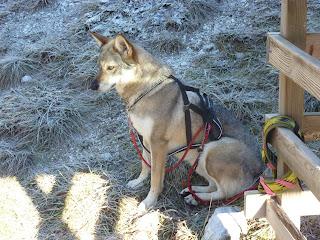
175	165
207	129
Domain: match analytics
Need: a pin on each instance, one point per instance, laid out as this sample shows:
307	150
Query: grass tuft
38	118
15	156
168	44
12	69
197	13
259	229
41	115
39	4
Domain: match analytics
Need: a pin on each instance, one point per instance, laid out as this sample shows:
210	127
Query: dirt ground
65	153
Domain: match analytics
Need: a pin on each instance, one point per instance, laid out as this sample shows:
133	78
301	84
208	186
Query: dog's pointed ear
101	40
124	47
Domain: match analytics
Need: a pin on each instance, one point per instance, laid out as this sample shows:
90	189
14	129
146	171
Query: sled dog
156	109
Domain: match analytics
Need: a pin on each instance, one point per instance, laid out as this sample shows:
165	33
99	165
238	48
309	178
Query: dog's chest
143	125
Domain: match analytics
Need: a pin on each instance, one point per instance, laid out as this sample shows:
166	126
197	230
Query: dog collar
143	94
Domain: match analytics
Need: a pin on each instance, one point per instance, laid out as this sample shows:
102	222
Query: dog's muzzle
94	85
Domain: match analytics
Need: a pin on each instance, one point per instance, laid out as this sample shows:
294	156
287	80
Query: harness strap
143	94
186	107
176	164
206	111
176	151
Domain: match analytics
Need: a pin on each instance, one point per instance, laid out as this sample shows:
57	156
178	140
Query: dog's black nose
94	85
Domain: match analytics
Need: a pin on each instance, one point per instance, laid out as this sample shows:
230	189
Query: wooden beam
281	223
289	201
293	28
300	159
313	44
295	63
255	204
311	126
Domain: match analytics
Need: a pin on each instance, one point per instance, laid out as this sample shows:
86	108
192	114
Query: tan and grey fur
229	164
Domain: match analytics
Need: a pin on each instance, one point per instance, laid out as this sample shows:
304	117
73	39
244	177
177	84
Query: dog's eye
109	68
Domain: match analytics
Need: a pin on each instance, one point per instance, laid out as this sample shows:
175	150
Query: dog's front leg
158	160
145	170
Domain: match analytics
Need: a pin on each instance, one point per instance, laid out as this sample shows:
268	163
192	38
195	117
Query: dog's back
234	128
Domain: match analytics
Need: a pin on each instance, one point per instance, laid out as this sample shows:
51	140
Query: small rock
26	78
226	223
239	55
106	156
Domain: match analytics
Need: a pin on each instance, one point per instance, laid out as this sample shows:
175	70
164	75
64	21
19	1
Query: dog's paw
149	202
142	208
145	205
185	192
190	200
134	184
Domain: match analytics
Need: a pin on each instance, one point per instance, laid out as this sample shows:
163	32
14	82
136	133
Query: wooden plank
255	204
281	223
311	126
289	201
293	28
313	44
295	63
299	158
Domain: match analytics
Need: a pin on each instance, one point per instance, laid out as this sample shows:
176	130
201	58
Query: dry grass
83	65
14	156
83	204
19	218
132	226
259	229
310	227
75	64
197	12
12	69
168	44
79	192
38	4
184	232
35	119
44	120
31	5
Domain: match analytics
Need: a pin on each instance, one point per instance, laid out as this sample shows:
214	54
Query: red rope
194	166
175	165
207	129
135	144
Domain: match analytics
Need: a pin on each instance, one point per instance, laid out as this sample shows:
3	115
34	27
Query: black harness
205	110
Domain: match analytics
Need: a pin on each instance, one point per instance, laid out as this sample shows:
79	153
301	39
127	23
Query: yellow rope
269	157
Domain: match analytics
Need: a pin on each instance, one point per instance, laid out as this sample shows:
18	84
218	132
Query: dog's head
117	62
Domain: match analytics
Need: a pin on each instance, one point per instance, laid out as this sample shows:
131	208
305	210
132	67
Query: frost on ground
64	151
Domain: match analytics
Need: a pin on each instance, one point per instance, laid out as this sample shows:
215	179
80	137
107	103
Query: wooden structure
295	53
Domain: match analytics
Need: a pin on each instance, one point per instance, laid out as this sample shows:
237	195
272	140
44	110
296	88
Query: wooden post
291	96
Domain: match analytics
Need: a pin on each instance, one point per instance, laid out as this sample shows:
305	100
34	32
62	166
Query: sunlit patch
46	182
131	225
260	229
19	219
183	232
83	204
